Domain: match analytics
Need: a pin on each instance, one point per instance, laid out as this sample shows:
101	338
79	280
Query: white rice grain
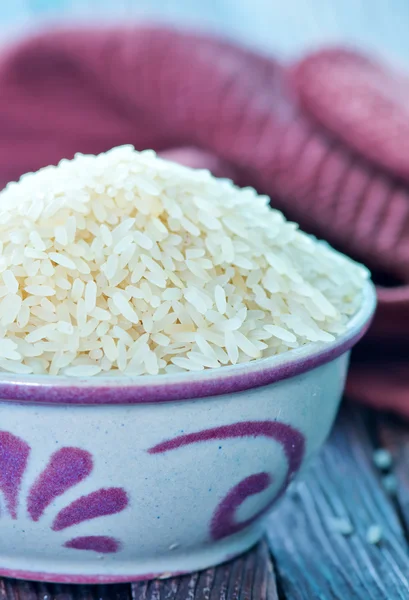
231	347
281	333
82	371
40	290
109	347
125	308
62	260
90	296
65	327
10	281
9	309
374	534
220	299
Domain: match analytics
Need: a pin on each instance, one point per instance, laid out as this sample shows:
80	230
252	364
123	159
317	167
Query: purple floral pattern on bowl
66	468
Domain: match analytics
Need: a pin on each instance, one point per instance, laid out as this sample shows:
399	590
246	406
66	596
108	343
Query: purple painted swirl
223	522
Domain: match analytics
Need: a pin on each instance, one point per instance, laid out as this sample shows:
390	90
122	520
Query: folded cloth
326	138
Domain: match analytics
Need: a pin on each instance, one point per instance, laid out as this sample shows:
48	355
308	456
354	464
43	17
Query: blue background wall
284	26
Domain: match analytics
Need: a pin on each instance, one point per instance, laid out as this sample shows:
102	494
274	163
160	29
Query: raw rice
126	263
341	525
374	534
382	459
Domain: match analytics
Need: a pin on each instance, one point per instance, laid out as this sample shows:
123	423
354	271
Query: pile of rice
126	263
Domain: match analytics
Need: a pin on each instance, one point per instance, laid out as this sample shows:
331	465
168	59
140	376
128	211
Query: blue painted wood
250	577
313	558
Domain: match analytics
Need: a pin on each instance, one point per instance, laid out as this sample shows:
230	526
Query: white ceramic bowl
114	479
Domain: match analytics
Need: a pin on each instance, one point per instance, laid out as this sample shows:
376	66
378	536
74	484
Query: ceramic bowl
114	479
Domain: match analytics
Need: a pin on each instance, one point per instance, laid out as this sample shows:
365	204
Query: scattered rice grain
382	459
374	534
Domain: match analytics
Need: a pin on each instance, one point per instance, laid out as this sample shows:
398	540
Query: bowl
109	479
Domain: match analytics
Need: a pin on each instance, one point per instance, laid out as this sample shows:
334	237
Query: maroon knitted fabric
323	139
361	101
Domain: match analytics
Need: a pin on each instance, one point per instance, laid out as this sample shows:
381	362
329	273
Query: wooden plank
393	435
12	589
250	577
312	558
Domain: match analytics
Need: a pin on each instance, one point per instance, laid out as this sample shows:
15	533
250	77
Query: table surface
304	555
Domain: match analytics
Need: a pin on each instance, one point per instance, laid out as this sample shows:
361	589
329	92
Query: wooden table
304	555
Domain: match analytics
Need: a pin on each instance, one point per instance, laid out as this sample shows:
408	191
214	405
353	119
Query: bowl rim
148	389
